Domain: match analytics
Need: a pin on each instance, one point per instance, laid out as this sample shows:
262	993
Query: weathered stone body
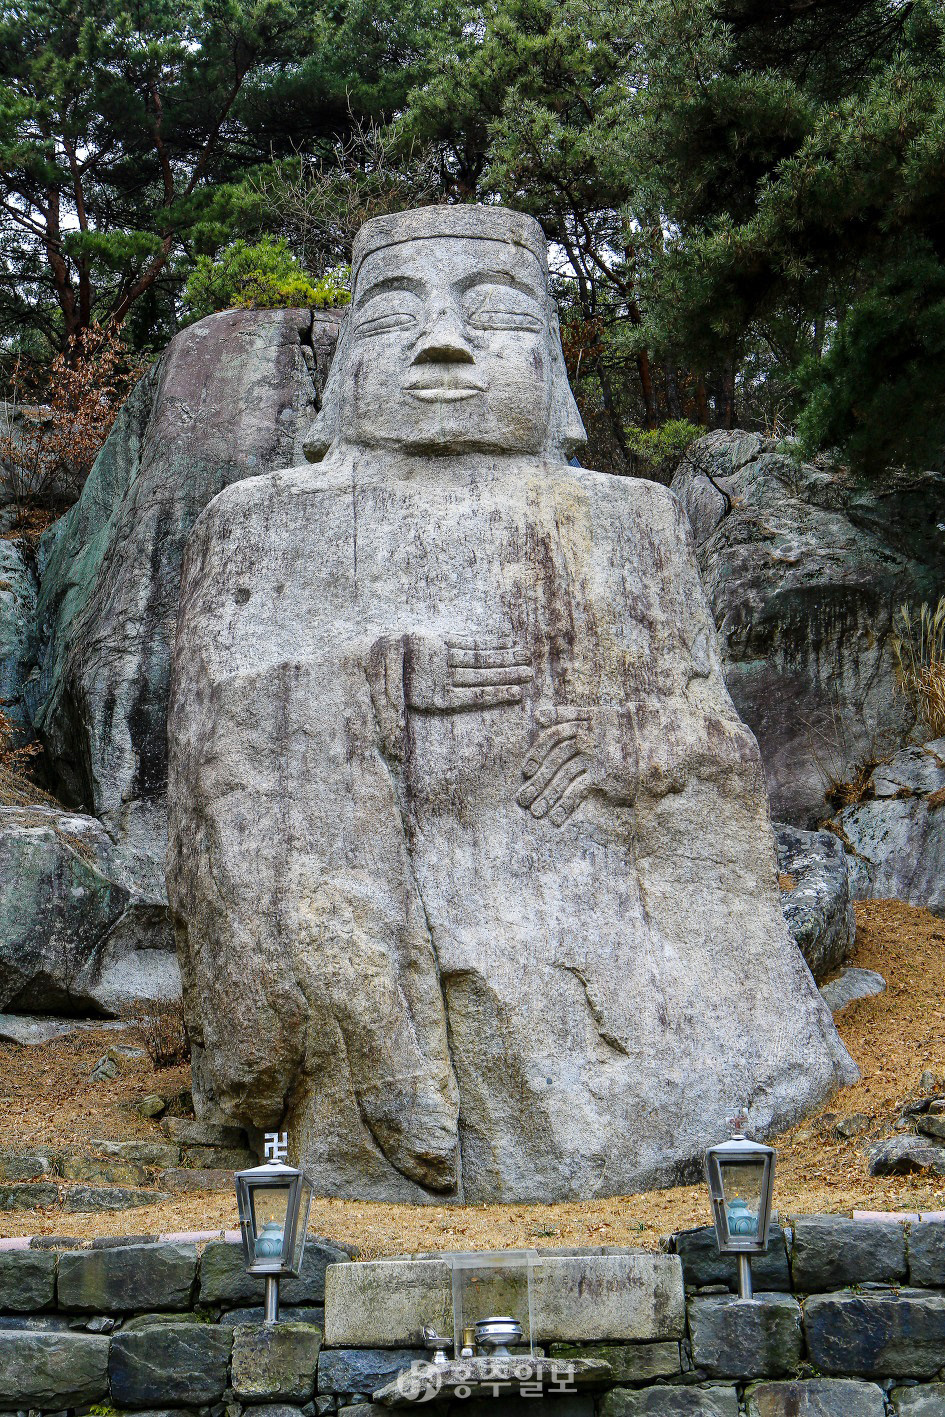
470	854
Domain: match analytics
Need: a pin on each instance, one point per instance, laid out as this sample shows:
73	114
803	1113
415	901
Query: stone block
380	1303
567	1405
670	1402
52	1371
876	1334
275	1361
631	1362
628	1297
146	1320
24	1166
133	1277
831	1252
593	1298
219	1158
38	1195
289	1315
27	1280
78	1166
346	1370
82	1199
819	1397
223	1277
927	1254
926	1400
187	1131
35	1323
731	1339
276	1409
169	1363
145	1153
702	1264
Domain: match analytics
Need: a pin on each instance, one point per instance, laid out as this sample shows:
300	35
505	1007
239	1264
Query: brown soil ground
46	1098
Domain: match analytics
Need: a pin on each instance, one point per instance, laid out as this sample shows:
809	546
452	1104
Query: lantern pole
745	1290
271	1315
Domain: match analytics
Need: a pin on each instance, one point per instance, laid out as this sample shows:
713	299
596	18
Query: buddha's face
450	348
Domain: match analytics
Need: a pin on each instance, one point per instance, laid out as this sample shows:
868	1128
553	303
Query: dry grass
158	1025
46	1096
919	648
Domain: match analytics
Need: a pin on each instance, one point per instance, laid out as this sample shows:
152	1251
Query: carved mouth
437	388
444	393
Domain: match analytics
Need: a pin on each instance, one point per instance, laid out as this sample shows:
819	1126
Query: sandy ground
46	1098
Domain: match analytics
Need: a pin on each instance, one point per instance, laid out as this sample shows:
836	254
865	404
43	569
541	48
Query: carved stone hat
477	223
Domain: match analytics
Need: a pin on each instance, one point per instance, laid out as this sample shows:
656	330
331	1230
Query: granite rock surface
805	571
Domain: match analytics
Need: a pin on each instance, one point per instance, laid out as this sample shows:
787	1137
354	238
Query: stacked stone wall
849	1322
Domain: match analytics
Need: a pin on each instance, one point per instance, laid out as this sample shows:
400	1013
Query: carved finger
572	796
492	696
487	658
554	792
545	717
477	644
547	739
555	760
509	674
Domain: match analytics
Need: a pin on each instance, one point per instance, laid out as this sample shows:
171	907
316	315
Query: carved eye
495	319
500	307
382	324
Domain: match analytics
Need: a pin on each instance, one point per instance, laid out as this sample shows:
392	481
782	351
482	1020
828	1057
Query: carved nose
444	342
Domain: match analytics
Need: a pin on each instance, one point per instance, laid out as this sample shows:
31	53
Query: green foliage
748	195
656	452
262	275
121	125
744	197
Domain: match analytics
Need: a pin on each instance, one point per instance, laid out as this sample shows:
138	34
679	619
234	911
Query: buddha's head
451	341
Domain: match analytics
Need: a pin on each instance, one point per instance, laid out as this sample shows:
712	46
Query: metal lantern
740	1174
274	1202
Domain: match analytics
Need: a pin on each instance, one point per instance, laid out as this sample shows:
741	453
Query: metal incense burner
494	1335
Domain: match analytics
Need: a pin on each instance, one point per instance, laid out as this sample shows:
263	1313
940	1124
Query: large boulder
18	592
230	398
805	571
895	834
71	937
815	896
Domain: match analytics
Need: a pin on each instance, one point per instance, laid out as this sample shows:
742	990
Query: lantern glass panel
270	1206
301	1224
743	1190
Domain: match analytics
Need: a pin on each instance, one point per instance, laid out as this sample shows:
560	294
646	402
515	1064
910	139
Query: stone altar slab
470	860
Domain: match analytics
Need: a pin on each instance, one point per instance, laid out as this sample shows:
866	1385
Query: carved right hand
455	675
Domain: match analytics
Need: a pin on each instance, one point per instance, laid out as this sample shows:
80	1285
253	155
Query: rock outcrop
895	835
72	940
470	855
18	591
805	572
229	398
815	896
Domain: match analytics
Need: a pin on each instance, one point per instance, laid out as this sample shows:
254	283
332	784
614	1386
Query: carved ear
326	428
566	435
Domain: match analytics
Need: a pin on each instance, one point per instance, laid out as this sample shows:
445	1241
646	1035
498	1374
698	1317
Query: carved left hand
577	750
